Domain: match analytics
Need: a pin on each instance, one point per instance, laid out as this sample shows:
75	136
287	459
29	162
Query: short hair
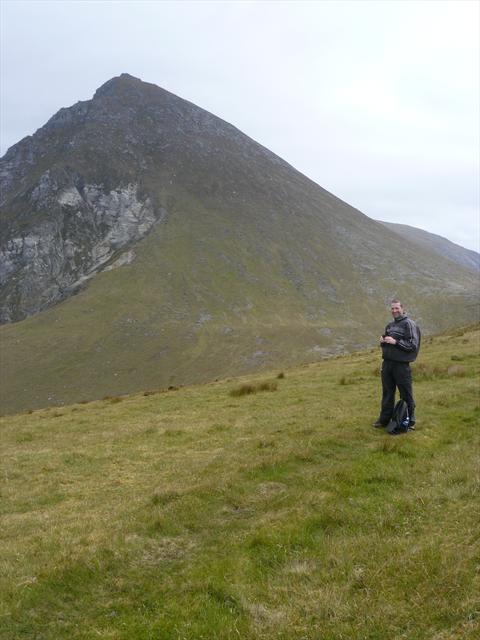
396	301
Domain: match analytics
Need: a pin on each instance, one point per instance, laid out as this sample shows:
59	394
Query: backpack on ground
400	422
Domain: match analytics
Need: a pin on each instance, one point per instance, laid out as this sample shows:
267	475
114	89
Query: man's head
396	308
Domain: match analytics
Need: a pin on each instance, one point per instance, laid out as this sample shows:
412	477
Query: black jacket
407	335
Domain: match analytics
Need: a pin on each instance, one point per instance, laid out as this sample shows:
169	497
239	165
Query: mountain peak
125	85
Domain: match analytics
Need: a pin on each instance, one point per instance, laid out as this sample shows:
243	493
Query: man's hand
389	340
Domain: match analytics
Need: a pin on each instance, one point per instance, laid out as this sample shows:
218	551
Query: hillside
145	243
437	244
281	514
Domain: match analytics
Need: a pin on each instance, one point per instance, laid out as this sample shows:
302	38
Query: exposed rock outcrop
88	228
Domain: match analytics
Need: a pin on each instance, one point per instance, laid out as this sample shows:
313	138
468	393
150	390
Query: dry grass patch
161	498
423	371
248	389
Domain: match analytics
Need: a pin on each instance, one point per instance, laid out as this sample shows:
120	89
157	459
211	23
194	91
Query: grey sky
378	102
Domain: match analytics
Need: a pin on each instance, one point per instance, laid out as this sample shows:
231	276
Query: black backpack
400	422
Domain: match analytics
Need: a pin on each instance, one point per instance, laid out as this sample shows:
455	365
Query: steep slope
279	515
433	242
211	256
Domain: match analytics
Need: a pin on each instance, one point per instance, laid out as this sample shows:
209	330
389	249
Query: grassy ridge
280	514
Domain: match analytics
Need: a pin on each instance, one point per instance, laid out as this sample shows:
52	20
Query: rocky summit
193	253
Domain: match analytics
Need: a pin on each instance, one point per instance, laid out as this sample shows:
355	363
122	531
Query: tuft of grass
267	386
350	379
456	371
425	371
162	498
395	446
281	375
173	433
243	390
110	398
248	389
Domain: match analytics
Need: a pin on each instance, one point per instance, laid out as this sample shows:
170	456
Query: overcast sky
378	102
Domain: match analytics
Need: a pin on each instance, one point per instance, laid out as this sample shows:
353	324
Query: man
400	345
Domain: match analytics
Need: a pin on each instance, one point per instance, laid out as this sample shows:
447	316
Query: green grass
251	302
196	514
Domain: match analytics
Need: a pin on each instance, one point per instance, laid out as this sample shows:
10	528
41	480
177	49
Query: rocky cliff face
87	228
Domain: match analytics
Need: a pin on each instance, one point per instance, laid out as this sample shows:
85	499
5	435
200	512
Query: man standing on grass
400	345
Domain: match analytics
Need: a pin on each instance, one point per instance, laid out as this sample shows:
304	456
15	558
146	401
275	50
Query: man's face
396	309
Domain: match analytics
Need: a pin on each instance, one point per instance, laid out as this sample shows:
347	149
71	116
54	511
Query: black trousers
396	374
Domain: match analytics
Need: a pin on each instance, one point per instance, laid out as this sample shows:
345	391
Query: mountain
437	244
193	253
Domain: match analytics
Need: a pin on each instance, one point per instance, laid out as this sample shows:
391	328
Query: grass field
273	513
